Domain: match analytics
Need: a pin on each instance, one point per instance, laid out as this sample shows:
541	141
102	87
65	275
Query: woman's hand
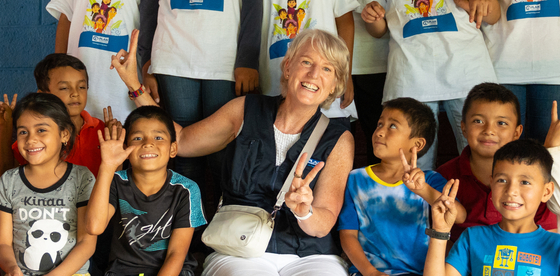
300	196
125	63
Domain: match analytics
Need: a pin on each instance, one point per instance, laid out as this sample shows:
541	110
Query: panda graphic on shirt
45	240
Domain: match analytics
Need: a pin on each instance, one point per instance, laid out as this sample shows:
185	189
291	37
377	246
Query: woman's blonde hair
332	48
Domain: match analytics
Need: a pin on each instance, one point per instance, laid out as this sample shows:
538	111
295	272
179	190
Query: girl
42	204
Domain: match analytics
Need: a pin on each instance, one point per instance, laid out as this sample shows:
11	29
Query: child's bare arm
481	10
345	29
443	218
415	180
179	244
8	261
99	210
552	143
374	16
6	127
62	32
355	252
82	251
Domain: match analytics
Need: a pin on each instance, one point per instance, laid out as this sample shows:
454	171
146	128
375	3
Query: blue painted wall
27	34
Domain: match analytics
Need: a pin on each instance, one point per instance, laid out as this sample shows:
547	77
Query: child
436	53
42	204
490	120
382	222
66	77
155	209
521	181
93	30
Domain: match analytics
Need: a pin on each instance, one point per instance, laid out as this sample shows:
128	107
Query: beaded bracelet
135	94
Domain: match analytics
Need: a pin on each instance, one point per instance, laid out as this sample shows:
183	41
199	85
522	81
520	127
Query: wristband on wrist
304	217
135	94
438	235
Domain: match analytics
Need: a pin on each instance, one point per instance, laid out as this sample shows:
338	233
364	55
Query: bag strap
309	148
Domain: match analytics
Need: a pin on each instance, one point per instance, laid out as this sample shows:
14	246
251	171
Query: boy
66	77
521	181
155	209
382	222
490	120
436	53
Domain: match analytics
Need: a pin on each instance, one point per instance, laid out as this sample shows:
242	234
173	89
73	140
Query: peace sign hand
6	109
300	196
110	121
113	153
413	177
444	211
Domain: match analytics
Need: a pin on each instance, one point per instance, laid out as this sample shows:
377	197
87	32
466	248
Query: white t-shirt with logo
434	52
525	43
98	30
196	39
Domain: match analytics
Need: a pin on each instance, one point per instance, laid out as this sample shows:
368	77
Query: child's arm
248	47
374	16
99	210
82	251
481	10
355	252
6	127
8	261
345	29
62	32
179	244
552	143
444	213
415	180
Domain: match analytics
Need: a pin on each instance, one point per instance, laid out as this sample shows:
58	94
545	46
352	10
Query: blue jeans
189	101
535	101
454	109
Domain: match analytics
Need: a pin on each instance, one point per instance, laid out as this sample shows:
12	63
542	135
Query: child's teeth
34	150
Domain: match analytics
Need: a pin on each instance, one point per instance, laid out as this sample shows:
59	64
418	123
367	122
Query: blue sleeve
348	218
435	180
459	256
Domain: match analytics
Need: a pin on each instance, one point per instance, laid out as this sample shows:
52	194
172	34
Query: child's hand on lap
553	136
373	12
113	153
444	211
413	177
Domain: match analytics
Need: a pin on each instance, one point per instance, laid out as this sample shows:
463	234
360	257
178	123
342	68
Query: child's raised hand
300	196
110	121
413	176
553	135
125	63
6	109
444	211
113	153
373	12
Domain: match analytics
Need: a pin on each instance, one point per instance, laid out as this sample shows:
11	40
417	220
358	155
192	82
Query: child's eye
393	126
477	121
41	130
136	138
525	182
379	125
501	180
502	123
22	132
159	138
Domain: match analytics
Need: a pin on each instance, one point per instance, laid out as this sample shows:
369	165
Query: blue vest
251	177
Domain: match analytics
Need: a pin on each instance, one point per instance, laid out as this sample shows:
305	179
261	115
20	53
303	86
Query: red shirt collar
88	120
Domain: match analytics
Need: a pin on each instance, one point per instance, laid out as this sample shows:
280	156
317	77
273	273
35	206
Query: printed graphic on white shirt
211	5
521	9
428	17
103	27
288	22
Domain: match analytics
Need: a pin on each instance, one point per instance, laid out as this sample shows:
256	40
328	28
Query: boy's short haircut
54	61
491	92
150	112
420	118
528	152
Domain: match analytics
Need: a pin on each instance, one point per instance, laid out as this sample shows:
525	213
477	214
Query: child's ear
463	129
547	191
173	150
420	143
518	131
65	136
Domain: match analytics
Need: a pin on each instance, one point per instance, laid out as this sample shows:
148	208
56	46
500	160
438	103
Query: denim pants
535	101
454	109
189	101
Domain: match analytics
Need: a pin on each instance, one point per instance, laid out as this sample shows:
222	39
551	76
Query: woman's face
311	78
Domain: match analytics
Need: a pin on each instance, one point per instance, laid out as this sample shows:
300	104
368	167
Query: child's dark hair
420	118
150	112
491	92
528	152
48	105
54	61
